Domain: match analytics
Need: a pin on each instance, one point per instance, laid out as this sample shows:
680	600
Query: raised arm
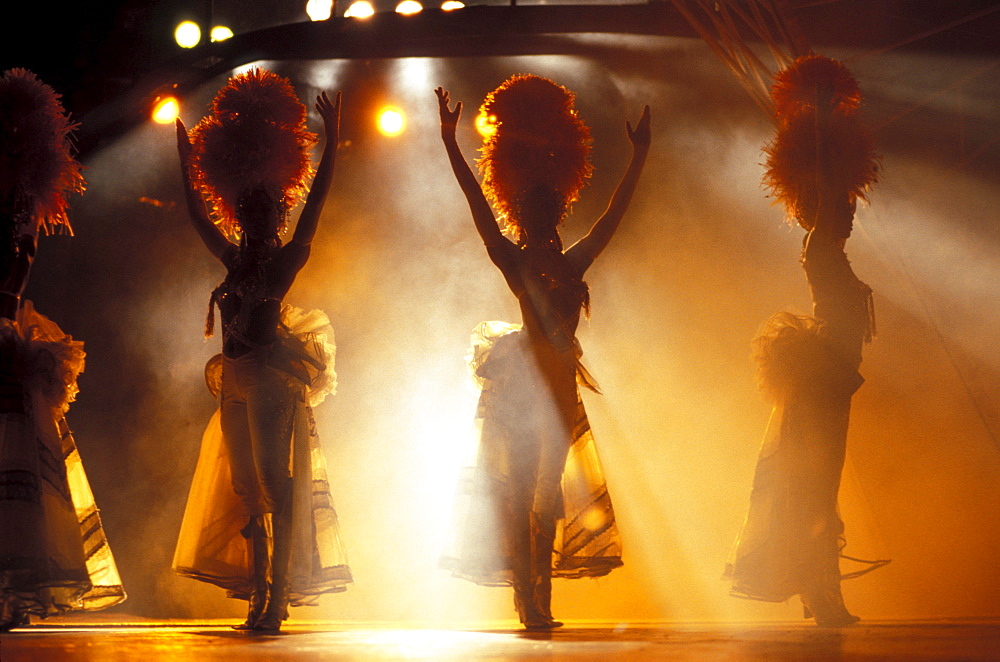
214	239
834	209
585	251
309	219
482	214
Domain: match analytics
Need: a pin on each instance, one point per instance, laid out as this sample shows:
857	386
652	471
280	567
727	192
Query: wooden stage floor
180	641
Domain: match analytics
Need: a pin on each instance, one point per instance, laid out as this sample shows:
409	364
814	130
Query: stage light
359	9
319	10
408	7
220	33
486	125
391	121
166	109
450	5
187	34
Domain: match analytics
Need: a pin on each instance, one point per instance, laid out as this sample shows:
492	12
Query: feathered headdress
36	159
849	161
538	141
255	138
797	86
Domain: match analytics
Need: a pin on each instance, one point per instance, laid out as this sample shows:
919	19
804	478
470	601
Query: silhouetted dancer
54	556
259	520
537	504
820	162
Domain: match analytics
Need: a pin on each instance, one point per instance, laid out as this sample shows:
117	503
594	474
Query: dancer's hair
535	141
793	158
37	167
254	140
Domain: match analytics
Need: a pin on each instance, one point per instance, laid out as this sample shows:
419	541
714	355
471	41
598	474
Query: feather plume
36	160
800	85
255	138
793	162
539	142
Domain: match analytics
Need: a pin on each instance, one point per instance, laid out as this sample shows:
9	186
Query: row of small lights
188	33
391	121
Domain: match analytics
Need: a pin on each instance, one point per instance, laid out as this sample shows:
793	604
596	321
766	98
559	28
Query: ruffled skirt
54	556
793	534
210	546
587	542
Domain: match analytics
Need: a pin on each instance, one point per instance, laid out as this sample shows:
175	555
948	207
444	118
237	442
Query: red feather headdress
539	141
849	164
36	159
256	137
797	87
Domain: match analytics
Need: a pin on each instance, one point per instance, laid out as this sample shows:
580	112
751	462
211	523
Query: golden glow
359	9
409	7
166	110
391	121
187	34
450	5
319	10
486	125
594	519
221	33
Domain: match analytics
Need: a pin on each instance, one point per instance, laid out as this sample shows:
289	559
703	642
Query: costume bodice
549	289
249	299
840	299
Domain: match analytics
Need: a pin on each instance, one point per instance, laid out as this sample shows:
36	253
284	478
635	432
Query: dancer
820	163
54	556
259	519
536	504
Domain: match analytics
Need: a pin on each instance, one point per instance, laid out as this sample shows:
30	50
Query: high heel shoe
827	608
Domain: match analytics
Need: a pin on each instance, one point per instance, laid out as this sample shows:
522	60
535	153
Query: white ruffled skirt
793	536
54	556
210	546
587	542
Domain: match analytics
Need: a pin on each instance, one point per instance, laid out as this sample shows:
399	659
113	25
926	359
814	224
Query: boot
11	614
521	565
825	602
543	533
257	545
276	610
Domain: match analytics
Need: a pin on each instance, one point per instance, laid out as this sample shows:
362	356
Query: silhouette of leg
259	563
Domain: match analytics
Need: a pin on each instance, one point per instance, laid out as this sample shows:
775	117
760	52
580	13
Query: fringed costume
212	545
536	460
54	556
792	539
260	520
535	505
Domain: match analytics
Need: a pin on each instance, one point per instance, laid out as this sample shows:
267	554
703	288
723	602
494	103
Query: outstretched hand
449	118
330	112
183	143
640	136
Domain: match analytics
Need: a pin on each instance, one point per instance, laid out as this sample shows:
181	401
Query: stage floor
180	641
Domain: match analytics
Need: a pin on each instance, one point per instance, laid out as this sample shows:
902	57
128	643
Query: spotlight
319	10
408	7
220	33
359	9
187	34
486	125
450	5
166	109
391	121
